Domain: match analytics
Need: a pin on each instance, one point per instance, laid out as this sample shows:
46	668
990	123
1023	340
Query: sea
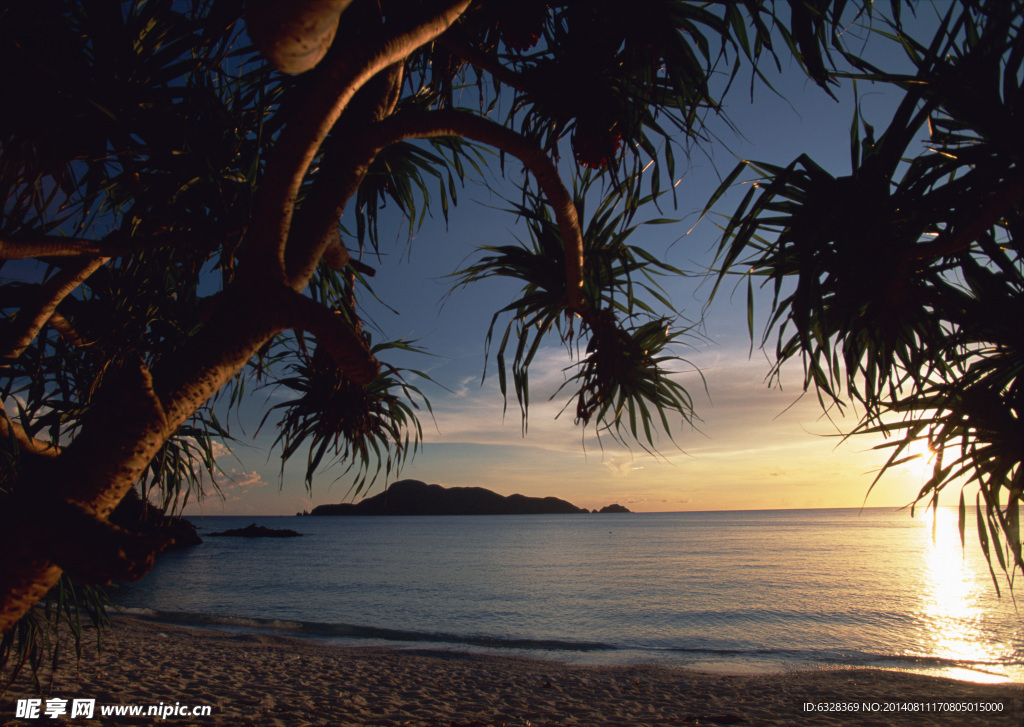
735	592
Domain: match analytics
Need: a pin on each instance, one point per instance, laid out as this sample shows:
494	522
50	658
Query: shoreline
263	679
569	652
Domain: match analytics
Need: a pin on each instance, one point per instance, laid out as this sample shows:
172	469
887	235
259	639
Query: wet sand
258	679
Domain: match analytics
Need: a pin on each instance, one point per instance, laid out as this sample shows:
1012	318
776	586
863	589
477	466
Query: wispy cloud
738	412
478	414
239	480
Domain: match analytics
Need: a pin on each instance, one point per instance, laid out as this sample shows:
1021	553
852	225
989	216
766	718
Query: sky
755	446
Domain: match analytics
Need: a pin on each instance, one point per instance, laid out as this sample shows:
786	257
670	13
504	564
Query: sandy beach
256	679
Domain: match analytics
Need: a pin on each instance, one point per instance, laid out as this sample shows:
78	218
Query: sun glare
952	608
923	461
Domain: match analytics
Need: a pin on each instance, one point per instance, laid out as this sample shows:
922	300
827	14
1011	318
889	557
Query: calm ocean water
738	591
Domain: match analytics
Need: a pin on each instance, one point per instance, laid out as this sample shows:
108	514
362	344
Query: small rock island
256	531
616	508
412	497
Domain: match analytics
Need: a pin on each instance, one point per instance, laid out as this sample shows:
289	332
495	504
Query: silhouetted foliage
900	285
171	236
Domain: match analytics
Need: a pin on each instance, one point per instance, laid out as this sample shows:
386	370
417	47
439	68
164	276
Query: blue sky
755	447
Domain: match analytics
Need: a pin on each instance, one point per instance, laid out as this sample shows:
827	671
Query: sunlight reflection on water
954	605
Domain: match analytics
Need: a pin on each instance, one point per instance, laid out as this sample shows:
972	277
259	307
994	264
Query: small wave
938	661
775	616
711	651
318	630
845	658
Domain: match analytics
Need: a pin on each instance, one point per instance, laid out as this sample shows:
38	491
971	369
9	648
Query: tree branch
51	293
426	124
336	336
50	246
337	256
343	73
456	44
342	169
113	553
111	246
67	331
960	238
126	420
12	430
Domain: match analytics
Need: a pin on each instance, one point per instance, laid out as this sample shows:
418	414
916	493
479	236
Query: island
413	497
616	509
